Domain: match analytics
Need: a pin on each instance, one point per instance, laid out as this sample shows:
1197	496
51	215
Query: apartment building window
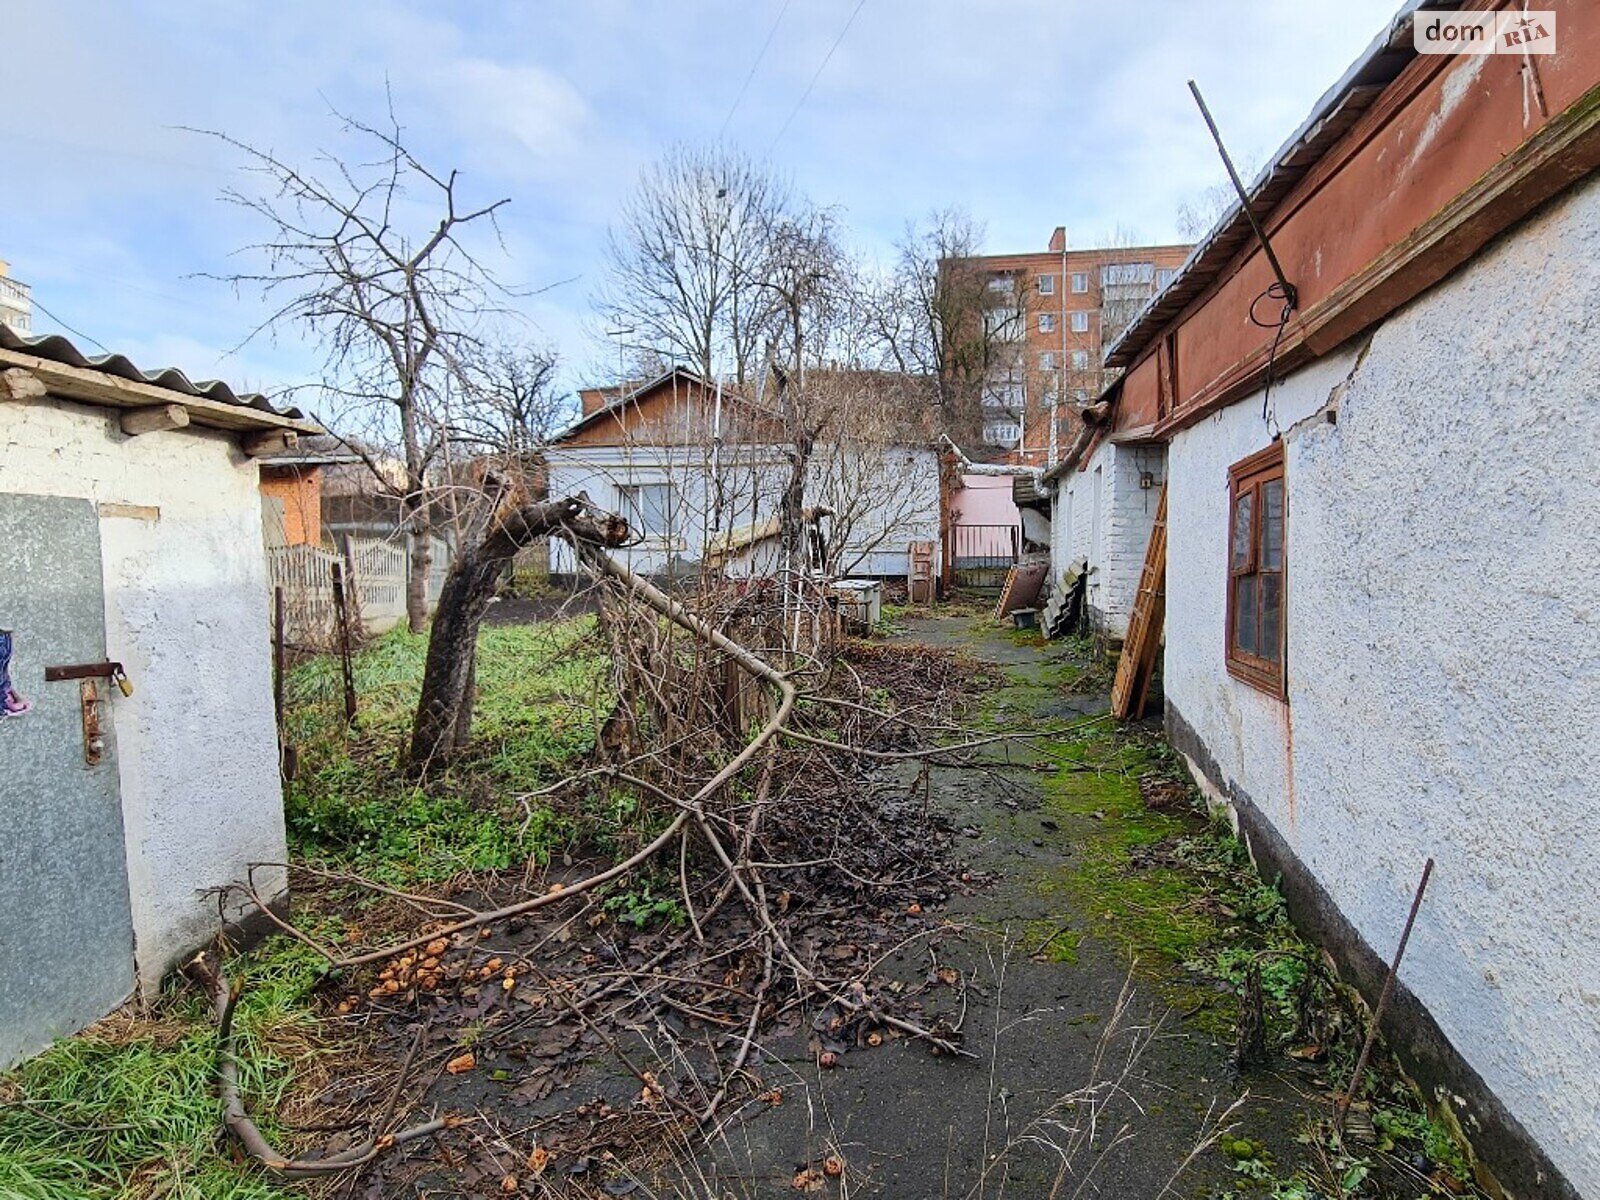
648	508
1080	360
1047	361
1003	284
1080	321
1080	281
1002	434
1255	635
1121	274
1047	285
1047	322
1003	324
1165	276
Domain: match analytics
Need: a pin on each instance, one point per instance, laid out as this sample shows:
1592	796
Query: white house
138	745
689	462
1382	639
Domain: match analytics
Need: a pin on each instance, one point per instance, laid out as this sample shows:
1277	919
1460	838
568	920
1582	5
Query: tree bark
444	710
420	564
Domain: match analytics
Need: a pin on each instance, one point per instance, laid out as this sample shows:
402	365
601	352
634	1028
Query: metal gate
66	933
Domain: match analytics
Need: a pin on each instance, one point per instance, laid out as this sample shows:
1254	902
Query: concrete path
1065	1097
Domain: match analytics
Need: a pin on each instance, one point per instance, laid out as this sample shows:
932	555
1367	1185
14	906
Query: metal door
66	933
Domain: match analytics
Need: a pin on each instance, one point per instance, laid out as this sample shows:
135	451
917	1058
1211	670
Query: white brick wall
1126	515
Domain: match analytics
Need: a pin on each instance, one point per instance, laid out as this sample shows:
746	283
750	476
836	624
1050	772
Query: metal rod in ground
277	659
1383	1000
288	760
346	663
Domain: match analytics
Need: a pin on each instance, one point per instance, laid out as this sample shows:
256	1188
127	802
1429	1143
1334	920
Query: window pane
1244	613
648	507
1272	525
1271	616
1243	509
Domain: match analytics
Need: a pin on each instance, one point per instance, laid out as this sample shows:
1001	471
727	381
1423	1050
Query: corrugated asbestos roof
1331	117
59	349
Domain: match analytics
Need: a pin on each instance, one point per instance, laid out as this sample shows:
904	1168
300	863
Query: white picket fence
375	583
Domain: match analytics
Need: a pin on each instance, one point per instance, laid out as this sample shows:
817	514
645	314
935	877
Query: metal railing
985	547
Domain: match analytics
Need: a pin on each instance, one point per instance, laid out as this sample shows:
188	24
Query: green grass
129	1109
541	698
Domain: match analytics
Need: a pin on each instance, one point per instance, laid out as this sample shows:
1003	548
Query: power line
822	66
760	54
75	333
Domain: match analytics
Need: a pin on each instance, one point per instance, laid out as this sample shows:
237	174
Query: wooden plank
1138	660
1000	609
269	441
133	512
155	419
97	387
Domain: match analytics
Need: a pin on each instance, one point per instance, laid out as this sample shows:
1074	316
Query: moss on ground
1174	891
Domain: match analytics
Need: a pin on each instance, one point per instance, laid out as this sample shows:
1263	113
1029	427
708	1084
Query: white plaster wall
187	615
754	480
1127	515
1444	654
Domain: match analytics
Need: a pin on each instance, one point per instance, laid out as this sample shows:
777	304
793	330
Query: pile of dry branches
794	859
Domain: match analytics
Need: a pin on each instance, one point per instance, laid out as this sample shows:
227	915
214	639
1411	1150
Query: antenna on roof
1290	296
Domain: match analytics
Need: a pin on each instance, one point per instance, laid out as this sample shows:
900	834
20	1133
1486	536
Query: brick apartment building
1050	314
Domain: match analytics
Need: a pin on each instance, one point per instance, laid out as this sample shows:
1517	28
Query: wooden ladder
1143	643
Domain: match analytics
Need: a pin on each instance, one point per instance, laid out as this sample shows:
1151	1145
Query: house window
1047	285
1080	322
648	508
1047	322
1047	361
1080	360
1080	281
1255	570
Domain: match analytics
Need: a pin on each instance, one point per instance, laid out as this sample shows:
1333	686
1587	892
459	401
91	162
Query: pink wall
985	500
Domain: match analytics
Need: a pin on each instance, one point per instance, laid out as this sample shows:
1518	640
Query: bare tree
514	407
689	256
366	251
1199	213
936	316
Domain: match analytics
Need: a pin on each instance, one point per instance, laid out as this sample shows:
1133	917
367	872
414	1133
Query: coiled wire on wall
1284	293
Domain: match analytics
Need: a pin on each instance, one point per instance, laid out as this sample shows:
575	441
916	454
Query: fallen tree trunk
443	721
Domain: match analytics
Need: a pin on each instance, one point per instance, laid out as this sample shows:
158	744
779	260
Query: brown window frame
1247	478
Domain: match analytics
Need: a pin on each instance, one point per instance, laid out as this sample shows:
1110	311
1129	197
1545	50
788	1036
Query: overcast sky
1028	113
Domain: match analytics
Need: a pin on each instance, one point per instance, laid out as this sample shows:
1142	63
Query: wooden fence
375	581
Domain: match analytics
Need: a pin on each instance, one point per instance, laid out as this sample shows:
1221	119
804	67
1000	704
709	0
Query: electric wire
751	74
1286	297
75	333
822	66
